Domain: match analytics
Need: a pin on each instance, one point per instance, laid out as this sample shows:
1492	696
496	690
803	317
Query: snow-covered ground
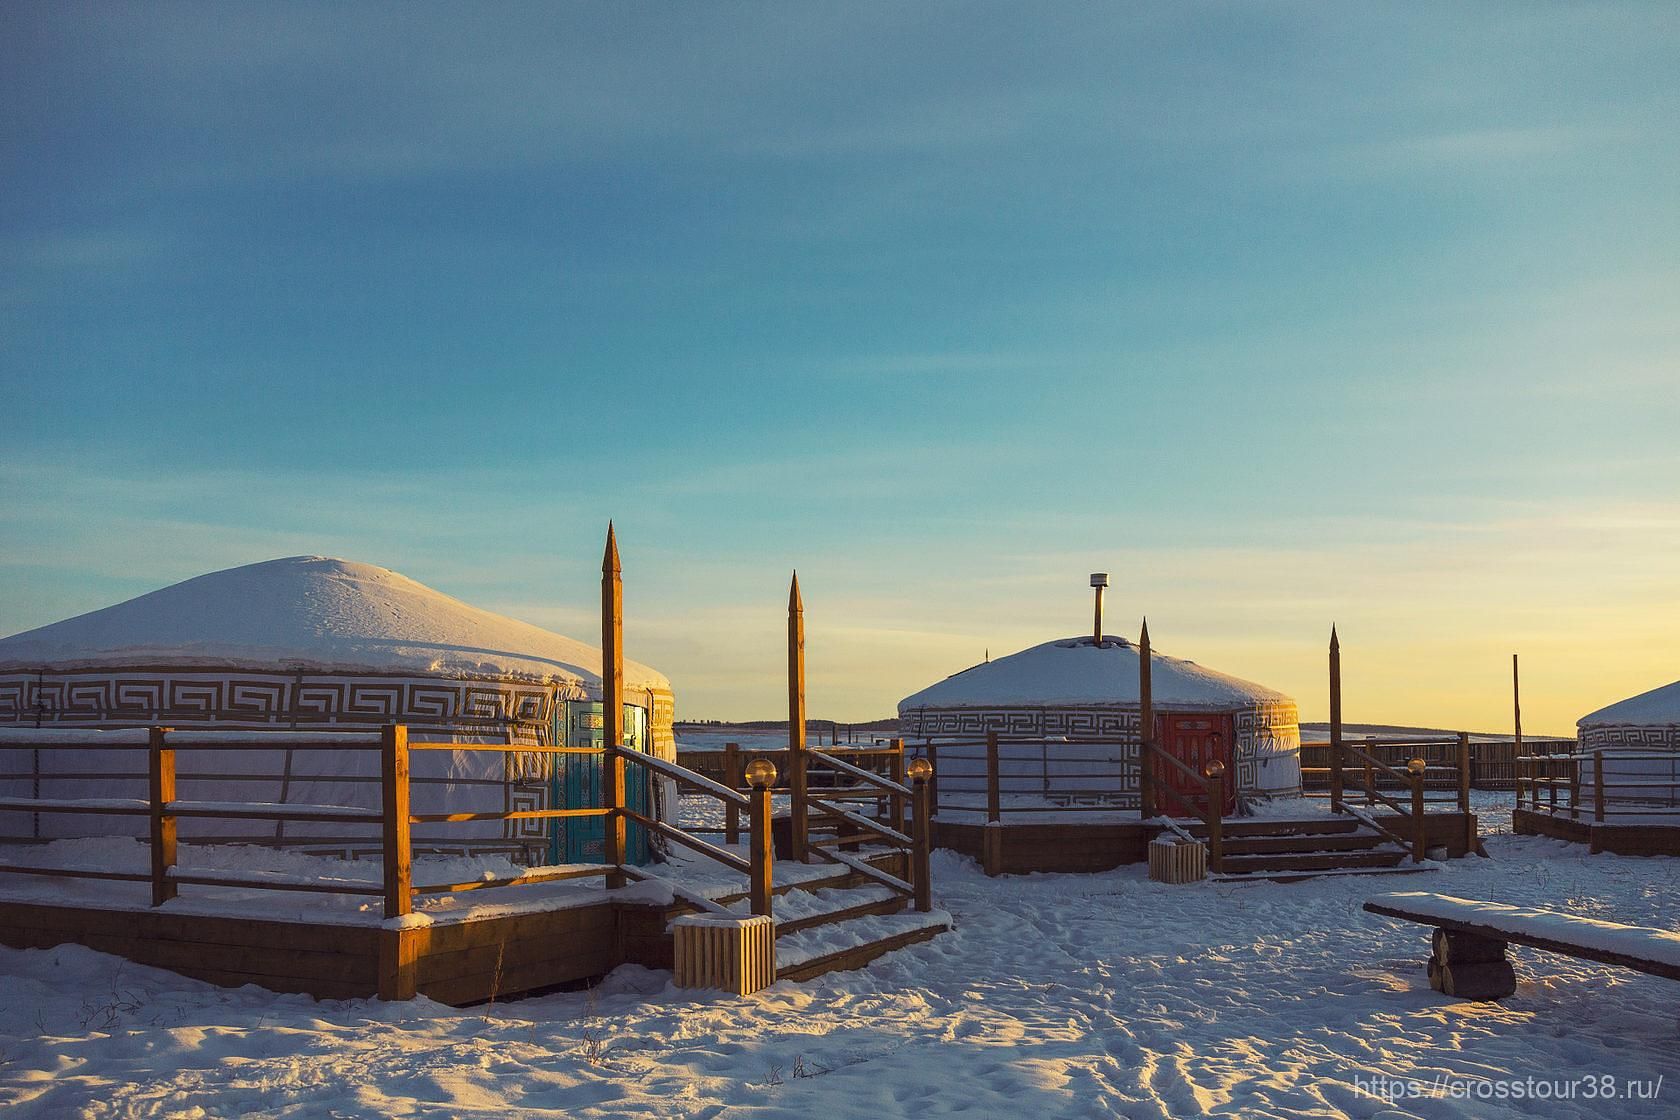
1056	995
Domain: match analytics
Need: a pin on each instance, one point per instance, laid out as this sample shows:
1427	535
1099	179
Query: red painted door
1195	740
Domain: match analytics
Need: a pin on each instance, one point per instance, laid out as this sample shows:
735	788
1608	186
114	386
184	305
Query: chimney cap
1099	579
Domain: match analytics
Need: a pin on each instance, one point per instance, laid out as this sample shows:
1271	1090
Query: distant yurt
312	643
1084	690
1640	738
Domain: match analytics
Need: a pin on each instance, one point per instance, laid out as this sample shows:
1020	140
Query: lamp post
919	771
761	775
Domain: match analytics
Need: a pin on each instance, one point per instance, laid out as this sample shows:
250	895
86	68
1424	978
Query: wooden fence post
1464	784
613	840
1598	786
921	873
895	770
394	823
796	722
732	778
1464	771
161	783
930	751
1516	717
1420	827
1335	722
994	796
1215	790
763	852
1146	728
1574	788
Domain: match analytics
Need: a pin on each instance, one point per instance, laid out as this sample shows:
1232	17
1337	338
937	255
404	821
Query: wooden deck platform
1619	839
456	962
506	949
1084	846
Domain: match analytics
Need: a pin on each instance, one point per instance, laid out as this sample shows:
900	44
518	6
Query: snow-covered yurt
311	643
1072	705
1640	738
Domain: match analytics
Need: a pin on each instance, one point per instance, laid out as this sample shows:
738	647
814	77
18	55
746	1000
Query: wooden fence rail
1553	784
163	808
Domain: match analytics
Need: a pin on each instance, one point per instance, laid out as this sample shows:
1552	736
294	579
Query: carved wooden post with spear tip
1335	721
796	720
1146	730
612	709
1517	768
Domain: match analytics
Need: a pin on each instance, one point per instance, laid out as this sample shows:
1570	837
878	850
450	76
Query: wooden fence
901	819
164	808
1492	764
1601	783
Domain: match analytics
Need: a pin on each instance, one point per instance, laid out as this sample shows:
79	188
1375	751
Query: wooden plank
398	957
483	957
1533	940
857	956
166	925
507	815
76	873
574	921
161	787
258	960
531	876
319	989
515	981
396	839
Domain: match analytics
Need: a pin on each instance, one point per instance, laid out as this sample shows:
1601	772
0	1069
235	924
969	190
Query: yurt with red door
1067	716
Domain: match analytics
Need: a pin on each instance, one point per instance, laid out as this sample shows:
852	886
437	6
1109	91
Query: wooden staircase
1291	850
836	921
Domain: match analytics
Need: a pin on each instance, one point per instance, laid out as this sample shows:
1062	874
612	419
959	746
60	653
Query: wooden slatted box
736	955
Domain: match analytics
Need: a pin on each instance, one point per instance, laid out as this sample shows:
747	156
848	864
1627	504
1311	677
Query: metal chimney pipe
1099	580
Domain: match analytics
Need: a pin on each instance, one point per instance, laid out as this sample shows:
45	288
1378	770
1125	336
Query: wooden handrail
1157	751
867	870
1371	822
868	777
863	822
1403	776
692	897
688	840
681	774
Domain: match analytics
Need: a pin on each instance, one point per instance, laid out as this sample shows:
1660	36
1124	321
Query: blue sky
1282	314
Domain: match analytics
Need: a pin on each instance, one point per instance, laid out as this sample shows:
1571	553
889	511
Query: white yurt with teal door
311	643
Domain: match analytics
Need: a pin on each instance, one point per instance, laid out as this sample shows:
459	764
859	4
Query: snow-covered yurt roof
1659	707
1074	672
315	614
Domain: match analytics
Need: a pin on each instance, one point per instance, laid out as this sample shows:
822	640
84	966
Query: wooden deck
457	960
1084	846
1619	839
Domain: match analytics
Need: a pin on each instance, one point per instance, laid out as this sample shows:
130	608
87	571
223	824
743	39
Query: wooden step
838	877
1301	876
890	905
1311	861
853	944
1316	842
1265	826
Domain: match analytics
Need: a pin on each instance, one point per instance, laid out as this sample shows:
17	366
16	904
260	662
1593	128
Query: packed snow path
1056	996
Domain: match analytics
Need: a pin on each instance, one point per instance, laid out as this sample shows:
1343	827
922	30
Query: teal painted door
577	784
